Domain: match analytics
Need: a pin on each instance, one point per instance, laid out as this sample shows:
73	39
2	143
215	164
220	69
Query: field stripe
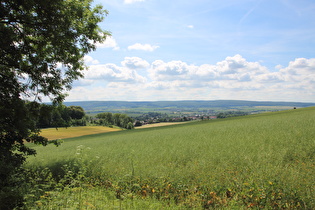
64	133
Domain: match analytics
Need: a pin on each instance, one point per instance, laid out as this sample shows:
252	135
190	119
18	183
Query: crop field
63	133
255	161
159	124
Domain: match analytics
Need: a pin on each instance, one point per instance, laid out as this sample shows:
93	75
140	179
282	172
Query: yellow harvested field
63	133
159	124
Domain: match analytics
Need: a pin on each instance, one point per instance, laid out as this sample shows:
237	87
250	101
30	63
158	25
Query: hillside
260	161
193	106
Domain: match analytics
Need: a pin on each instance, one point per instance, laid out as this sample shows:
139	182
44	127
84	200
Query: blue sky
259	50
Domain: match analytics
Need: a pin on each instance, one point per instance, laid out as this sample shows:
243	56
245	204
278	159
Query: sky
260	50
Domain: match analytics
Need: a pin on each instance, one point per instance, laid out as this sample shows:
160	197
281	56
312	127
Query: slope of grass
265	161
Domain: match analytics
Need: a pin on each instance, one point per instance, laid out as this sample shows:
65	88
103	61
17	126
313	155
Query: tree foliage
76	112
106	118
42	47
231	114
120	120
60	116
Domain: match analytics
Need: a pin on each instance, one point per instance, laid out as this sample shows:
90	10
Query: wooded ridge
107	105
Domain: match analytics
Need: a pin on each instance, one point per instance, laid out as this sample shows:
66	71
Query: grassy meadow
256	161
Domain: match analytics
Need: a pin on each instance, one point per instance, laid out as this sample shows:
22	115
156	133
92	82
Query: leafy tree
61	116
120	120
130	125
107	118
116	119
124	120
76	112
42	47
45	116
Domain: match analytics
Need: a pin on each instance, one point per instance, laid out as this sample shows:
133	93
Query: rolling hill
192	106
255	161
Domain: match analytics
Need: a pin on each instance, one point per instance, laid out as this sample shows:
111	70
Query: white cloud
237	64
300	75
190	26
135	63
111	73
132	1
89	60
173	70
232	68
232	78
110	42
206	72
300	66
144	47
272	77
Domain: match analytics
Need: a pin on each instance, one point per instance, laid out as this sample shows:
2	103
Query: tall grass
265	161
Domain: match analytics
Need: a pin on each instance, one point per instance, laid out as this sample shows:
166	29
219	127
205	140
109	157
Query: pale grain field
63	133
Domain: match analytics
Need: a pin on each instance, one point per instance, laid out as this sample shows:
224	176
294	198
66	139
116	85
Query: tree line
231	114
117	119
156	117
54	116
60	116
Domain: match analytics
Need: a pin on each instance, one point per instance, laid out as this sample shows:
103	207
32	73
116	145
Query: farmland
259	161
62	133
65	133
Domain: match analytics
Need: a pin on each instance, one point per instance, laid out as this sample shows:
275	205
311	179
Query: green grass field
257	161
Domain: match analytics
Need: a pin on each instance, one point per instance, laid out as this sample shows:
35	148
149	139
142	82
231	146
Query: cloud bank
232	78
